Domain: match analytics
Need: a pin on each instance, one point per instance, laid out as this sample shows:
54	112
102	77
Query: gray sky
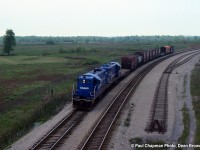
100	17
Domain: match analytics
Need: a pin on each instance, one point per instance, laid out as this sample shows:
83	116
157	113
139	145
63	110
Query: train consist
93	85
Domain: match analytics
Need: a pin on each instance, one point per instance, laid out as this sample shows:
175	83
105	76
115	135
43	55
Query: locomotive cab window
84	81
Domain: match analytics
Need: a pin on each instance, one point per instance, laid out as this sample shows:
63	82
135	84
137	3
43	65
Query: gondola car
92	85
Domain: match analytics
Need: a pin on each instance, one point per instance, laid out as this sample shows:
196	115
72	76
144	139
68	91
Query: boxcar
165	50
129	62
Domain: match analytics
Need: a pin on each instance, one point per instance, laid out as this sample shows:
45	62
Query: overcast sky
100	17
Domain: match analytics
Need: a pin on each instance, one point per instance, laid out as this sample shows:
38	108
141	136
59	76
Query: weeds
186	123
195	91
184	86
128	118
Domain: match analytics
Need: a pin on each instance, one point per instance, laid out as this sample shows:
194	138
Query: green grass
195	81
184	86
186	117
186	123
14	60
195	91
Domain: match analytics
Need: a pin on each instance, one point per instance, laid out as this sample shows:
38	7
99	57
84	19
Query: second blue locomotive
92	85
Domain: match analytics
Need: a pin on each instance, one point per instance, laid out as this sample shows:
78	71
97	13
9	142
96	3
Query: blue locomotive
92	85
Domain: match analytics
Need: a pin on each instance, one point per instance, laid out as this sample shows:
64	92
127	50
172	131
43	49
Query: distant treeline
97	39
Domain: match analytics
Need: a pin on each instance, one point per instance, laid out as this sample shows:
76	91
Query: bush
80	49
90	62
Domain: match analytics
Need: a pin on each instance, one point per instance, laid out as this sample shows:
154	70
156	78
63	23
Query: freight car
157	52
92	85
144	56
171	49
153	53
131	61
166	50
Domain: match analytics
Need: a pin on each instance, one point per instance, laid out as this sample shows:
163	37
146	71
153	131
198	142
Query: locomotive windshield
85	84
84	81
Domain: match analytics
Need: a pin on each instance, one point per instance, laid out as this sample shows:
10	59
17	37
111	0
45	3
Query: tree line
9	40
50	40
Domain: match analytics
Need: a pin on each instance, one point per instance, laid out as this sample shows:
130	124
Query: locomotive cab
86	86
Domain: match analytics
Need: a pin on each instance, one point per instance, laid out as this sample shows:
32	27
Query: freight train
91	86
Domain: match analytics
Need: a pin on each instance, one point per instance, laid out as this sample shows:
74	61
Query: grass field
28	76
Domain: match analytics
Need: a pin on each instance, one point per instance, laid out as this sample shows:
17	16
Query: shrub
50	42
90	62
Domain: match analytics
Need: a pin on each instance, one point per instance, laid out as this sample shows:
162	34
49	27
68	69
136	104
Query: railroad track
98	138
54	138
158	114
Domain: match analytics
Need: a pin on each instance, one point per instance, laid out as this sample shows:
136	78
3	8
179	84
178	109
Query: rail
97	137
158	114
54	137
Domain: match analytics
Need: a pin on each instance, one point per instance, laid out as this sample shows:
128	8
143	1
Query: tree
9	41
50	42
